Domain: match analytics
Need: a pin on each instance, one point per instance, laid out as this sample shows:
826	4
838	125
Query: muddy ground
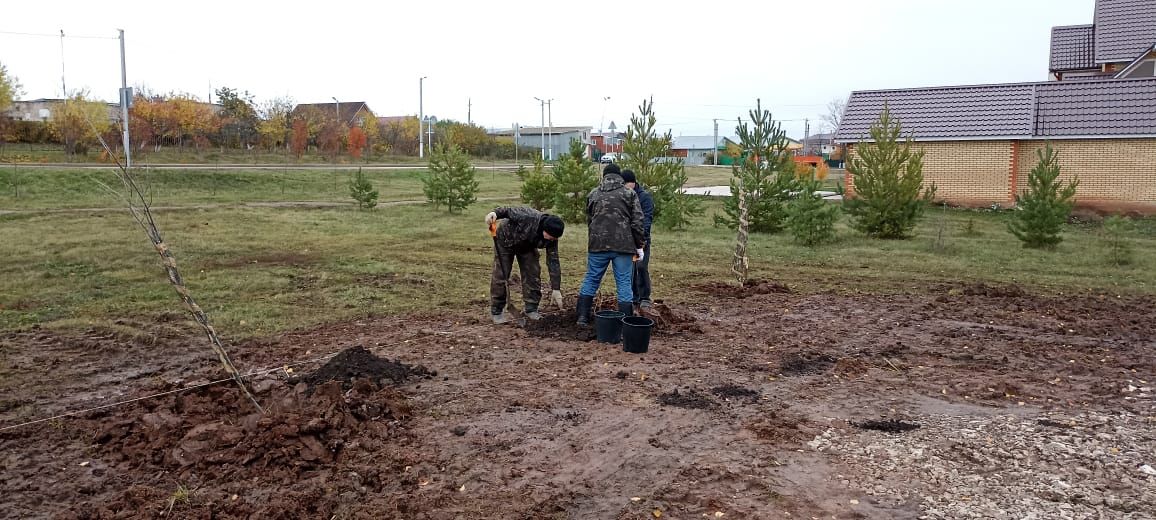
961	402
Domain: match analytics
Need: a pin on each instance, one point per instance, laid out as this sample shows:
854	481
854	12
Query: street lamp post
420	117
542	126
337	109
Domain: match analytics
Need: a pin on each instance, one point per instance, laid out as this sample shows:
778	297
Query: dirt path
1025	406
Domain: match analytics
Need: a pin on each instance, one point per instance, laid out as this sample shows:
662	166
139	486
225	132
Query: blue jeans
596	264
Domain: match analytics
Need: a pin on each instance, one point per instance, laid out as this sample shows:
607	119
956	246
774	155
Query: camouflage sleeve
554	265
517	213
589	208
637	227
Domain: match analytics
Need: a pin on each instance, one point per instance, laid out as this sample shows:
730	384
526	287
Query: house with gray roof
697	149
1098	111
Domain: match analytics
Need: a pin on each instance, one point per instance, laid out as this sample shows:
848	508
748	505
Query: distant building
607	142
41	110
352	113
558	137
698	149
1098	112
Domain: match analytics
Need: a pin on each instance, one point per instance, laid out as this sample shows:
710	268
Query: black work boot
626	308
585	303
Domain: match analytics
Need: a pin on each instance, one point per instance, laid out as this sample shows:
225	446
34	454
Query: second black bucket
608	326
636	334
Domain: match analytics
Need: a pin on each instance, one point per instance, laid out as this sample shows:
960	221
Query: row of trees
645	151
238	121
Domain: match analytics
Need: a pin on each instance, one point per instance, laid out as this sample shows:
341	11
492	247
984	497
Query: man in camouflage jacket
519	233
617	238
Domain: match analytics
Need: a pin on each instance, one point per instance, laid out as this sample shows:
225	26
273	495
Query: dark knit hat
553	225
628	176
611	168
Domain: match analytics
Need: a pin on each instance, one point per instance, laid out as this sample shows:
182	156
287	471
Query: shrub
452	179
539	188
1117	245
1045	205
573	178
811	219
362	191
889	198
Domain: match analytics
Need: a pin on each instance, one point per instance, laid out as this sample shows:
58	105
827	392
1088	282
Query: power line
46	35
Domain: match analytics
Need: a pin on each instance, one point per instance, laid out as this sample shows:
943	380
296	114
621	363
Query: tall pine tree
648	155
574	177
889	197
1045	206
765	172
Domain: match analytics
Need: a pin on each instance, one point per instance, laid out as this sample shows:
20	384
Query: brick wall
972	173
1114	173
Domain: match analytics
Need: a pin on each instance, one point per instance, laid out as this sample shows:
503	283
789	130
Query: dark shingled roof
347	109
1072	48
1124	29
1103	108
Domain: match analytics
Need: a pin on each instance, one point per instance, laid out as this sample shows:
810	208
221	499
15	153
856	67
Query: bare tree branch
139	208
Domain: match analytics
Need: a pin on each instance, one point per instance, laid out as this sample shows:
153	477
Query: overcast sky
700	60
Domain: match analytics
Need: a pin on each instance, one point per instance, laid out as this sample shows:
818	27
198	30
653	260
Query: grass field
30	189
47	153
260	271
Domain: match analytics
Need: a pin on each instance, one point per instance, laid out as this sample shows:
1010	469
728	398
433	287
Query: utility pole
63	87
715	161
337	109
550	118
517	142
469	111
542	127
125	99
806	135
420	118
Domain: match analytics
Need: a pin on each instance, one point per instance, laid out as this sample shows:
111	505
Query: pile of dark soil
215	430
357	363
733	391
667	319
561	327
887	425
750	288
983	289
691	399
805	364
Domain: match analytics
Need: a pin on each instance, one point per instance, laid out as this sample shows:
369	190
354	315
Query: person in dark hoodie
616	239
519	233
641	285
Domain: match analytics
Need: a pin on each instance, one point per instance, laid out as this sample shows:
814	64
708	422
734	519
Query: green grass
259	271
49	153
37	188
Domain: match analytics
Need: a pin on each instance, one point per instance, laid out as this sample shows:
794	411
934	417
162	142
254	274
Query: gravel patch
1085	465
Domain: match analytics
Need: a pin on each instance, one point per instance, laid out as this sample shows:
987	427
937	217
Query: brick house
352	113
1098	111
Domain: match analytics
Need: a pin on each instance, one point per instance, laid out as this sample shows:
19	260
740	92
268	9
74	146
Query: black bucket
636	334
608	325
